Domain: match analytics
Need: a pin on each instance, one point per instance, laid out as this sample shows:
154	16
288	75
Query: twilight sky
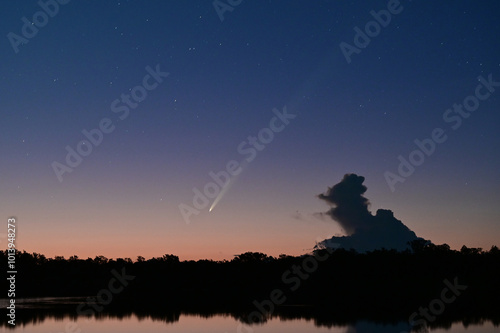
289	95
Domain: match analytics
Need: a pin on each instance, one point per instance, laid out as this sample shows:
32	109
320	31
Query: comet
221	194
226	187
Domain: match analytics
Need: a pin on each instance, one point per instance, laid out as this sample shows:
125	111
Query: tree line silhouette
373	285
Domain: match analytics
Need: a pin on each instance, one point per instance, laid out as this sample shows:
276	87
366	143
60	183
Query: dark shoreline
338	286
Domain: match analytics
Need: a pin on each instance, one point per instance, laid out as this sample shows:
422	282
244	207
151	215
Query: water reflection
59	315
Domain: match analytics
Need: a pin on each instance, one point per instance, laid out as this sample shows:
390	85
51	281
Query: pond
58	315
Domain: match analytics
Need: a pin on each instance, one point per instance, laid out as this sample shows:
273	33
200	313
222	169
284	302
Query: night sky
276	89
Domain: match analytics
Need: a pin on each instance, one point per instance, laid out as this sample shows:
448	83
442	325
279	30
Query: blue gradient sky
224	80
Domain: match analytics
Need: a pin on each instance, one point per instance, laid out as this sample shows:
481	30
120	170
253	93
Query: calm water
218	323
66	321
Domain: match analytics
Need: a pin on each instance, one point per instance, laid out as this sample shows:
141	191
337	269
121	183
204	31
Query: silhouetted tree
382	281
100	260
249	257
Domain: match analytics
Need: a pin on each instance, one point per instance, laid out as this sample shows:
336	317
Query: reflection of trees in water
35	315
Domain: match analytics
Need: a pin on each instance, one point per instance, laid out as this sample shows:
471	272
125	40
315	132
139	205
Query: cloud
350	206
365	232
